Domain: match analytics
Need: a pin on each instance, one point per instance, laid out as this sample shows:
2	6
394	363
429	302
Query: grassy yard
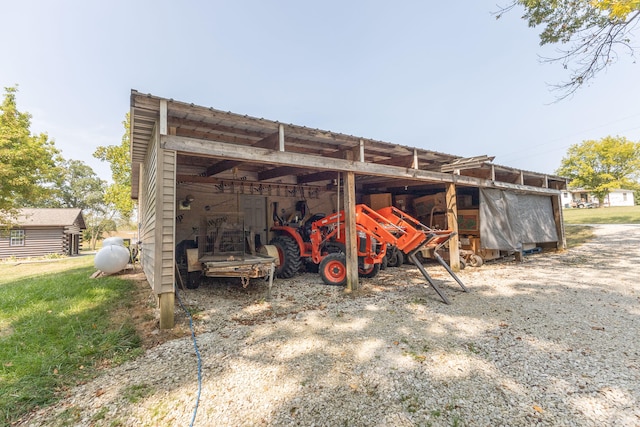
57	326
615	215
578	233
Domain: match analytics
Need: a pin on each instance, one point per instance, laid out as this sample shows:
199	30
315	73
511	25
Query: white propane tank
112	258
109	241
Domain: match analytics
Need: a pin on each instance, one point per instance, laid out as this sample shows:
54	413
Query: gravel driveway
550	341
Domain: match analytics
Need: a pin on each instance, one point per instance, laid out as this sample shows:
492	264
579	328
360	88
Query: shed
39	232
191	163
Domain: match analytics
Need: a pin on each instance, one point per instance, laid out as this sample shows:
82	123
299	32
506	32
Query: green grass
578	234
614	215
56	327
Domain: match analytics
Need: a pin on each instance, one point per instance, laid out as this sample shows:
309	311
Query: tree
604	165
98	220
79	186
76	186
119	193
27	162
591	30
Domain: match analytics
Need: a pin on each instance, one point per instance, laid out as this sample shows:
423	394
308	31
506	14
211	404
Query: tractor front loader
321	243
413	237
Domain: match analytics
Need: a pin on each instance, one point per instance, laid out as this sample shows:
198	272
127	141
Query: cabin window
17	238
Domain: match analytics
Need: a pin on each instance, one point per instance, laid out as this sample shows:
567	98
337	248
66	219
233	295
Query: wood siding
167	210
37	242
157	215
147	197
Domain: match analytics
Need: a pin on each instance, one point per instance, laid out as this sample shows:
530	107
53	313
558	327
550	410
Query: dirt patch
143	310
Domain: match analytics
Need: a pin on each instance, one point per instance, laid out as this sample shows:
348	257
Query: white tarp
507	219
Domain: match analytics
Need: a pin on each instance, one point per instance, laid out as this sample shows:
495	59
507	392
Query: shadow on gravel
551	341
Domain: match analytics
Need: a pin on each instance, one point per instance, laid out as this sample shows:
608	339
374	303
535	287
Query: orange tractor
320	242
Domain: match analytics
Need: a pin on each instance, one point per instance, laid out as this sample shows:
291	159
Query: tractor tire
289	254
384	263
333	269
370	272
396	260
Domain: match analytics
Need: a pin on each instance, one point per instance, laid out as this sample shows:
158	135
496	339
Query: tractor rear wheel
333	269
289	254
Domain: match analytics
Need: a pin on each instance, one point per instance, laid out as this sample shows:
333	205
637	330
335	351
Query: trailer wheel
289	254
371	271
333	269
476	261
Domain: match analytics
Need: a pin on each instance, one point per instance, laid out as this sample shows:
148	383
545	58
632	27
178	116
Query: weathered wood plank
260	155
452	221
351	242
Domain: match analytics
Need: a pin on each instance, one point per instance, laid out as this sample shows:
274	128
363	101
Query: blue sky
442	76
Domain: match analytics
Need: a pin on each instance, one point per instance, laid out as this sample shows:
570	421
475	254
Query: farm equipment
226	249
321	242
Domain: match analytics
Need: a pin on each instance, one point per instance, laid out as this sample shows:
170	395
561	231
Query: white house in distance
618	197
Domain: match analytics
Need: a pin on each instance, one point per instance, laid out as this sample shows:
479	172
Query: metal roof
204	123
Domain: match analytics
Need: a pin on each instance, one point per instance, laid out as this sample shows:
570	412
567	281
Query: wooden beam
452	221
351	242
556	206
277	172
225	165
222	166
163	117
260	155
317	176
166	302
280	137
404	161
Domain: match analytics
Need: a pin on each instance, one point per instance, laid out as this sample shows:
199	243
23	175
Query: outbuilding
40	232
196	167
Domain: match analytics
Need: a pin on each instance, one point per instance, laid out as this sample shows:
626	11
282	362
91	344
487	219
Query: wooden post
280	137
166	302
350	227
556	205
163	117
452	221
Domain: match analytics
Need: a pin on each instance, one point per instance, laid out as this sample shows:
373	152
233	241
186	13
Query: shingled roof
50	217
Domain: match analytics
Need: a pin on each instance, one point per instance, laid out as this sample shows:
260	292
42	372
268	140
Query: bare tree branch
593	36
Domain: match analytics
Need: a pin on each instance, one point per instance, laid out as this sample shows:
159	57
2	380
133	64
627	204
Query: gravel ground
550	341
